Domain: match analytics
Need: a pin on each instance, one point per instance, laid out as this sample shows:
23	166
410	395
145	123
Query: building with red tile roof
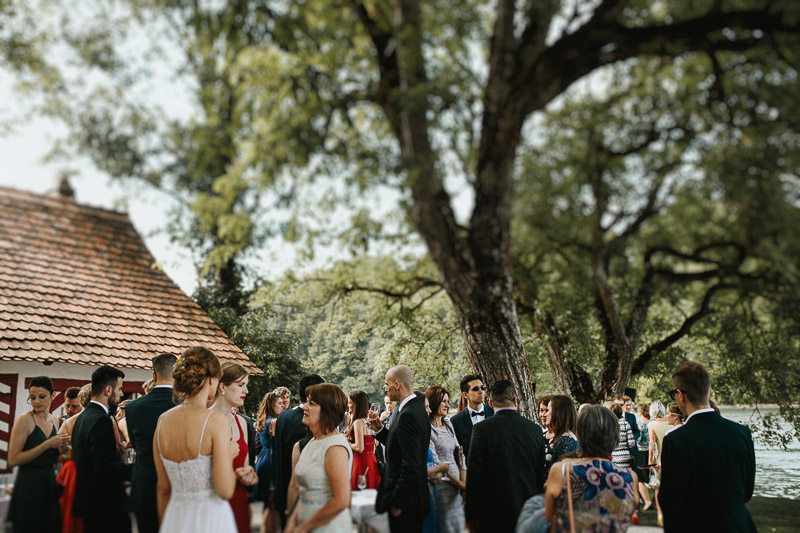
79	289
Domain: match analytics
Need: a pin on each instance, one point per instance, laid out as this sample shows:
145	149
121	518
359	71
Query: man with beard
99	494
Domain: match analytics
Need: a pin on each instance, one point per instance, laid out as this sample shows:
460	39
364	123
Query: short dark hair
163	365
503	391
43	382
72	393
307	381
105	376
464	384
564	415
694	381
616	409
598	431
332	402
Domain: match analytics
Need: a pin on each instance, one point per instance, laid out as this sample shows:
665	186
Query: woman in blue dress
271	407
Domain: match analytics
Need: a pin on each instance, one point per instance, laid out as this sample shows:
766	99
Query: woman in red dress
362	442
230	397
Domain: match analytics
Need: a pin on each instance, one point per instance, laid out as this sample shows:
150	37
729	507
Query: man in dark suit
403	491
100	473
625	402
708	465
506	464
289	429
142	416
474	391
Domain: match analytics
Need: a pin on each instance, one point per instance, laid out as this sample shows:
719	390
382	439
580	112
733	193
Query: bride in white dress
322	473
192	451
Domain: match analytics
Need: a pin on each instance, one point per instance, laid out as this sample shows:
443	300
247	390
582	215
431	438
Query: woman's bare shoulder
24	422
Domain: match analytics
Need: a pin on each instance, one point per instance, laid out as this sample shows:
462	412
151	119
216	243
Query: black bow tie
476	413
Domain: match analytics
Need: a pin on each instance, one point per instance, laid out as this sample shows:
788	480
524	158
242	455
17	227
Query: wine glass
361	482
374	409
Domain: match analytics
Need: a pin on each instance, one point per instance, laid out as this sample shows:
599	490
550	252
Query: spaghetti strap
200	446
158	436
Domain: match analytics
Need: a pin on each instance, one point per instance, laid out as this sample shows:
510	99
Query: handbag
655	482
569	504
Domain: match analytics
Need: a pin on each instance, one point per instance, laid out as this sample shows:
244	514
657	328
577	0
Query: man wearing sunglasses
474	391
708	466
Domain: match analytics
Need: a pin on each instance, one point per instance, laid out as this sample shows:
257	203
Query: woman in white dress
322	474
192	451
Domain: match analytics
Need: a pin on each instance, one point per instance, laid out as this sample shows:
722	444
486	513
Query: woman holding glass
34	446
444	445
365	473
231	392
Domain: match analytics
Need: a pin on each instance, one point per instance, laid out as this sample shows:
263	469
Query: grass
771	515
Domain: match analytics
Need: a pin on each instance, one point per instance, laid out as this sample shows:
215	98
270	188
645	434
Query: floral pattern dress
602	497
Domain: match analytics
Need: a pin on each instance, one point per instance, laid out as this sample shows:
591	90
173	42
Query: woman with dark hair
643	445
542	410
362	442
559	438
589	493
322	473
192	452
444	445
271	406
34	447
231	392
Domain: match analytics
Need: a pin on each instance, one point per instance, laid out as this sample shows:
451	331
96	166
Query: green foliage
272	350
357	319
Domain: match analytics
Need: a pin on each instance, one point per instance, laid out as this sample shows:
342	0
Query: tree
396	94
351	331
638	212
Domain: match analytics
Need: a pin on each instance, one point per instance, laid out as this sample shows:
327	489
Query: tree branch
685	328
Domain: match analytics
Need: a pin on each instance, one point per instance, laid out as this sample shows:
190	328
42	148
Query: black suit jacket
142	417
99	495
630	418
462	424
405	481
289	428
708	470
506	467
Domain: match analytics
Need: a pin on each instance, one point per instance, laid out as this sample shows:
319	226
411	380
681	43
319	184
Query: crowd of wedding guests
192	461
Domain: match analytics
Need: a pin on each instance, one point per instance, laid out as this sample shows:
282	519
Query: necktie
476	413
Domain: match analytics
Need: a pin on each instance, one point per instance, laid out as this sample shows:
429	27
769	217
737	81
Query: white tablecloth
362	507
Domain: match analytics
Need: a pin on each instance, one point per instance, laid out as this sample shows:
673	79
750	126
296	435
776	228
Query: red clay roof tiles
78	285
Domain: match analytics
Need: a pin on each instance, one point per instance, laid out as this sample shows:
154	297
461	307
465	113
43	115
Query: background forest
576	194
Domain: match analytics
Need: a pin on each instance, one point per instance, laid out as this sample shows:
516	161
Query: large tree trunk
494	345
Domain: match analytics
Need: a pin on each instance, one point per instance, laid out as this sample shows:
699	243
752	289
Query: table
362	508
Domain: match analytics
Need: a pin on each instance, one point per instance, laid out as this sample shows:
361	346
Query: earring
223	392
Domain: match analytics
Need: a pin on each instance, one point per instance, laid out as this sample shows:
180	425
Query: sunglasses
673	393
476	388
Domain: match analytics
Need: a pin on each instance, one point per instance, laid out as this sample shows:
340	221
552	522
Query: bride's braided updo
194	366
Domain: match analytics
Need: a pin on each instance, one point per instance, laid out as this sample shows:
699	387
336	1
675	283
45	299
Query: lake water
777	471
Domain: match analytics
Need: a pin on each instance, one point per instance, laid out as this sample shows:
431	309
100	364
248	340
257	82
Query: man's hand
473	526
395	511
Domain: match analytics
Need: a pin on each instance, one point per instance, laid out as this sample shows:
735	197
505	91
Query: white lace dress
193	503
315	488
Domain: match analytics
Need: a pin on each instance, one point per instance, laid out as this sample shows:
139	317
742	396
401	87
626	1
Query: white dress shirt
480	417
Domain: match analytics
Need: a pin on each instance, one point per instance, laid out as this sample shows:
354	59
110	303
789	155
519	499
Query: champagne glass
374	409
361	482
